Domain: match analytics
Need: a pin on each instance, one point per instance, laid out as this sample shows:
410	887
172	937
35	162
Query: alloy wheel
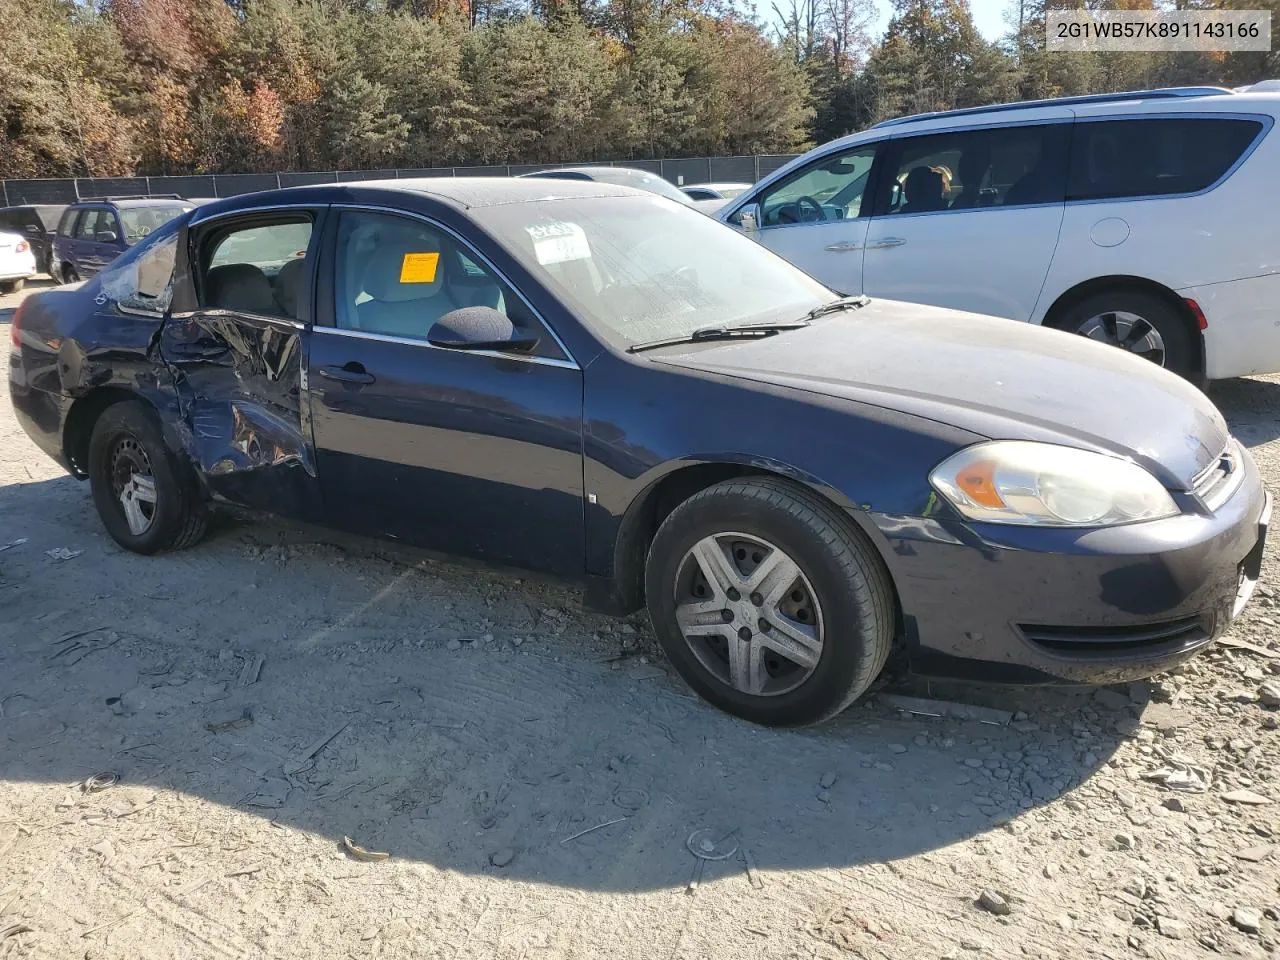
133	485
1128	331
748	613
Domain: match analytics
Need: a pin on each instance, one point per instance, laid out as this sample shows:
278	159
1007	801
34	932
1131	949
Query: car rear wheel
68	274
11	286
768	602
1138	322
147	498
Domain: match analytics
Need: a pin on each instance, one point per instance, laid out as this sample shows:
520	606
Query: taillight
15	325
23	246
1201	320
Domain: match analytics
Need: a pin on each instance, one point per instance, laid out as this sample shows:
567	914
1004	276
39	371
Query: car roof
463	193
131	202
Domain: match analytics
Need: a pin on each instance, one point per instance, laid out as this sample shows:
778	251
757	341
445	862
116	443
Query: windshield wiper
835	306
720	333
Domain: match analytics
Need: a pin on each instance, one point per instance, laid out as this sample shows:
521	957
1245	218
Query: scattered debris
13	543
1174	803
252	669
1180	774
299	760
1269	693
629	798
236	723
753	875
244	871
1256	853
502	857
924	707
13	929
58	554
84	644
827	780
360	853
1171	928
99	782
1247	919
598	826
1246	797
993	902
703	845
1251	647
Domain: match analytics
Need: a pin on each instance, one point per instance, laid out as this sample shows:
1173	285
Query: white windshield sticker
558	242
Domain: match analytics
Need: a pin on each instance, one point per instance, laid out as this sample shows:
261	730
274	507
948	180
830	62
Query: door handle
348	373
843	246
886	242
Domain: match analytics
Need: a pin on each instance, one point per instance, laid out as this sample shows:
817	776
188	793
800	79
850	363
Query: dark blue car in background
598	383
92	233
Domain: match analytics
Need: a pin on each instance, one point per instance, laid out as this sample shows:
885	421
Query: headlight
1042	484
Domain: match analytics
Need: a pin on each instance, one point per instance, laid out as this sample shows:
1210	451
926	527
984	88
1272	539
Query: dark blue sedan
601	384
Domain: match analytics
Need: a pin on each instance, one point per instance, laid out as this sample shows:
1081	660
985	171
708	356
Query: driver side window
832	188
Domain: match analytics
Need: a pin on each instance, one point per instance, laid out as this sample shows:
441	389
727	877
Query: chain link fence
681	172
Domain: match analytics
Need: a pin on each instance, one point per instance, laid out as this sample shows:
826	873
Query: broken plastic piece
924	707
360	853
706	845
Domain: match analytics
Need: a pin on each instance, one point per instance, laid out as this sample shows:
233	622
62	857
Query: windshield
139	222
640	180
639	268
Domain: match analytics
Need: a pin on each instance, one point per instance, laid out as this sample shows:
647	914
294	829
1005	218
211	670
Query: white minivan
1147	220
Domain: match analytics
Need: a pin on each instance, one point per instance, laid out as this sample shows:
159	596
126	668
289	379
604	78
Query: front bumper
1020	604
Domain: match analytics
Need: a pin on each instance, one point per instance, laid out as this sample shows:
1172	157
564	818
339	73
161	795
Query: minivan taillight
22	246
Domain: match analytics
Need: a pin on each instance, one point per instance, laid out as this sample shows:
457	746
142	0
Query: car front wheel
769	603
146	497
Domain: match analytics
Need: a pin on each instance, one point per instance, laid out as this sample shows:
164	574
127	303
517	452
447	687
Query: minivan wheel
68	274
1138	322
145	495
11	286
768	602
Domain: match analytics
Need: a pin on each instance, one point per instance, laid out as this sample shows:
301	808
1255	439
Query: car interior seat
241	287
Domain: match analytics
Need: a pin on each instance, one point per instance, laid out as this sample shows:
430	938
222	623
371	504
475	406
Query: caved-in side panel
240	385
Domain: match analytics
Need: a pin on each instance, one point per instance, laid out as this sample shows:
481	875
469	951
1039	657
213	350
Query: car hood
996	378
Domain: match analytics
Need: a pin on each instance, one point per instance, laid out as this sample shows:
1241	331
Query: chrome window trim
468	249
199	221
411	342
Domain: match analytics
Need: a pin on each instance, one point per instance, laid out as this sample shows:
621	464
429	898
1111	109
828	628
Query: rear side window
68	218
258	269
1157	157
968	169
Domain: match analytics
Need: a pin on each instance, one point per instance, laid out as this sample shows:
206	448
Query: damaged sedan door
235	346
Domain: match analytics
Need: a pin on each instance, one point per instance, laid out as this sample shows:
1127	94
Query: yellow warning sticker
419	267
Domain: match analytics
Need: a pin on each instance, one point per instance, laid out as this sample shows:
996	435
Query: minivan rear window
1156	157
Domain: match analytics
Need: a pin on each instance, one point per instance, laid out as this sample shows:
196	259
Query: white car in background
715	191
17	261
1146	220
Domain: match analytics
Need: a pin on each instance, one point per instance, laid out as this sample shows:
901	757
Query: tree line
155	87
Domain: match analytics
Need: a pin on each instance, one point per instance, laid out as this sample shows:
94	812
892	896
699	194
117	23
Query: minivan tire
1087	317
11	286
852	604
127	439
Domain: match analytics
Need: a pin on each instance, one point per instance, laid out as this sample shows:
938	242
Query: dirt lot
534	772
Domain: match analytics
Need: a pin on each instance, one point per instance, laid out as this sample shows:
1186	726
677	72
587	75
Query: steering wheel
802	210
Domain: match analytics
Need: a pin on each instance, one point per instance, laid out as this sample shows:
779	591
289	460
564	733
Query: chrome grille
1218	481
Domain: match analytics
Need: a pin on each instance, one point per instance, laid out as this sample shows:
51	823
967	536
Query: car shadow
458	716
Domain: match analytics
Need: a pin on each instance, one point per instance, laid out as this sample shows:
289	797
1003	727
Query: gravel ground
535	772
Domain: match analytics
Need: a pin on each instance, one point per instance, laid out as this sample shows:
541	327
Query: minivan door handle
886	242
352	372
844	246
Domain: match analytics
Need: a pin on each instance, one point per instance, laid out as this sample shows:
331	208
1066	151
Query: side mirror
106	236
478	328
748	218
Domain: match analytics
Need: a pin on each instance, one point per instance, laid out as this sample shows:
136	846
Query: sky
988	17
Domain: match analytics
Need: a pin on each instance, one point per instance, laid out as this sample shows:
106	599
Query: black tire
68	274
179	515
11	286
849	578
1180	354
